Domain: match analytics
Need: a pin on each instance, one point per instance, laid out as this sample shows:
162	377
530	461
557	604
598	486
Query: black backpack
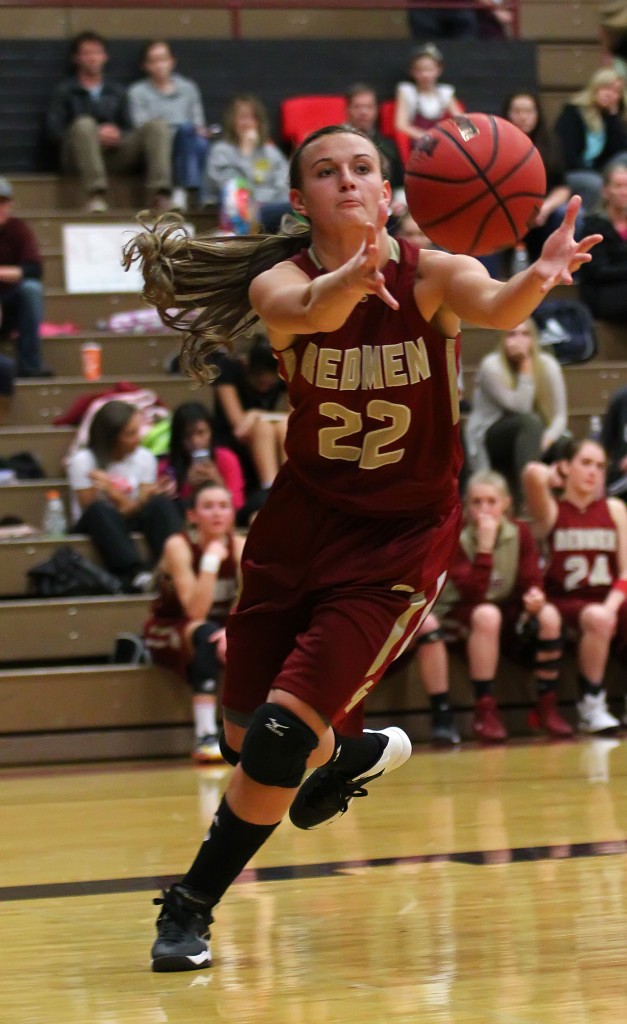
68	574
567	330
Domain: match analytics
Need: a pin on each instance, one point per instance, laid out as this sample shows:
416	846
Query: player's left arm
464	286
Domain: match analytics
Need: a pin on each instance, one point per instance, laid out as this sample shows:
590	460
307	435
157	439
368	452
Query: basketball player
586	577
349	552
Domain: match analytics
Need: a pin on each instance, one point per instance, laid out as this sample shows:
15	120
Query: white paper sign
92	257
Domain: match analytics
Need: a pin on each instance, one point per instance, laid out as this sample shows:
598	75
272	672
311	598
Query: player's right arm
537	480
195	592
290	303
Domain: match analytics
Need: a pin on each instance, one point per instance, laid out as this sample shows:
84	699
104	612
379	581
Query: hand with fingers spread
561	254
362	272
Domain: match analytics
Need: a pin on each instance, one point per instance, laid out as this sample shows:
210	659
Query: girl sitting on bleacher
494	599
198	581
116	490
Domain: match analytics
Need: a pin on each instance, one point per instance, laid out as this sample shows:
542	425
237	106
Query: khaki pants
148	148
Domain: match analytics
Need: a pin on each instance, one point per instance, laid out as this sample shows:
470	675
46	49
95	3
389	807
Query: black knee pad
554	647
230	756
432	637
204	666
276	747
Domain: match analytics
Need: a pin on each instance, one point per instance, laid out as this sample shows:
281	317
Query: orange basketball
474	184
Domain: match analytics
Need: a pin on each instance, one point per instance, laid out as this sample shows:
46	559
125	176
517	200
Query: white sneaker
326	794
178	199
593	713
96	204
143	582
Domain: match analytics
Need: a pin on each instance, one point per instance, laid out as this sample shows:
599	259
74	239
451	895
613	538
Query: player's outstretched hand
362	270
561	255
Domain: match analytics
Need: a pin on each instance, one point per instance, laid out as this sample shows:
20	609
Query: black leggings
511	443
110	532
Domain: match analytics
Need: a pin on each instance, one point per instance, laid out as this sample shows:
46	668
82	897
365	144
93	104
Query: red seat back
386	127
302	115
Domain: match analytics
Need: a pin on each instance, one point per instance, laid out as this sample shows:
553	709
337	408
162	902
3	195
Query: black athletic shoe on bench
182	931
326	794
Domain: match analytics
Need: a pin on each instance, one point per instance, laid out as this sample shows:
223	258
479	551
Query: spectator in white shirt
115	490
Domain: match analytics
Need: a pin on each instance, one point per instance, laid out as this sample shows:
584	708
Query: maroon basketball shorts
328	601
570	608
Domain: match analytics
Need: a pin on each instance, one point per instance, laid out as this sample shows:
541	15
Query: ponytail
199	286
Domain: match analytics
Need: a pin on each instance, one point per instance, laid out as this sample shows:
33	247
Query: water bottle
54	522
520	259
595	429
236	207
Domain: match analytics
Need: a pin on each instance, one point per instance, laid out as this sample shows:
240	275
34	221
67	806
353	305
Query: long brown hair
200	285
259	113
543	402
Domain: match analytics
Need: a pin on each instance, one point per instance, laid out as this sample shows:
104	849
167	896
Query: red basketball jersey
375	422
583	552
167	604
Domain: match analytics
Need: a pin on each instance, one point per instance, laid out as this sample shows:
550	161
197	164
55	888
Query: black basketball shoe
326	794
182	931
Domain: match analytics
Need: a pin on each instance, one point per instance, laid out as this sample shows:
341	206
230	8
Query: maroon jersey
375	422
167	605
583	552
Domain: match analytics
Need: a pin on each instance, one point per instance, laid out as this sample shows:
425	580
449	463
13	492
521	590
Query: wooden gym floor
471	886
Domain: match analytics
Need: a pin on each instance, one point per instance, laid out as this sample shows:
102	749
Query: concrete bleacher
62	701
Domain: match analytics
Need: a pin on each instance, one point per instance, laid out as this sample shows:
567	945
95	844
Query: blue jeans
189	159
23	310
270	215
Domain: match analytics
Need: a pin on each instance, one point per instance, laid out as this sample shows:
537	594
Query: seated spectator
21	289
586	572
197	582
603	287
245	151
592	132
193	460
519	407
362	112
423	102
614	441
442	23
613	34
115	490
494	599
166	96
494	19
248	416
523	109
412	232
90	122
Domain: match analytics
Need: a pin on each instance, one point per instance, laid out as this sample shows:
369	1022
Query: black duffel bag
68	574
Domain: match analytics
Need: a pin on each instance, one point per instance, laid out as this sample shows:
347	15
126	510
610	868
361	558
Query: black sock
585	686
545	685
482	687
229	846
439	703
355	754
